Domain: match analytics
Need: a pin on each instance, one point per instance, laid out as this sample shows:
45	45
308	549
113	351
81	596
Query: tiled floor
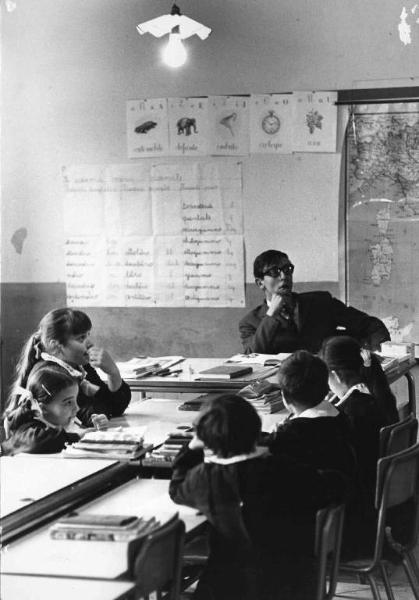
399	583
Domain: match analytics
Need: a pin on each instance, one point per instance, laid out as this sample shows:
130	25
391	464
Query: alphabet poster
154	235
188	126
315	121
147	128
232	125
229	125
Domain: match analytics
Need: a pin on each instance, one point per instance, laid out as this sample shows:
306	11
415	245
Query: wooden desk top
38	554
71	483
48	588
30	477
161	416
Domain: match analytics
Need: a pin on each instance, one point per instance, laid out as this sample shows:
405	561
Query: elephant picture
185	124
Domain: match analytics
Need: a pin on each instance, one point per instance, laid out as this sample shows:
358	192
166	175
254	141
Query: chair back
397	498
398	436
328	540
156	566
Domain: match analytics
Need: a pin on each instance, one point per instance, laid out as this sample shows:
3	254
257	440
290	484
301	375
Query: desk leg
411	390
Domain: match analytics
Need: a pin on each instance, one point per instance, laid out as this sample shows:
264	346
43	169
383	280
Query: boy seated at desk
261	508
315	432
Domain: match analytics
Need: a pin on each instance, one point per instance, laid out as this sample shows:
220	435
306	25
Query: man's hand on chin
279	302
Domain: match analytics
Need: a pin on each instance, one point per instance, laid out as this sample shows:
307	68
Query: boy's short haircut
266	259
342	354
304	378
229	425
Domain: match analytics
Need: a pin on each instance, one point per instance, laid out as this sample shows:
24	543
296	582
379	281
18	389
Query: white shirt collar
79	373
361	387
324	409
212	458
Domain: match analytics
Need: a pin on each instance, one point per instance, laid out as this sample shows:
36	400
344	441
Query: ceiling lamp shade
162	25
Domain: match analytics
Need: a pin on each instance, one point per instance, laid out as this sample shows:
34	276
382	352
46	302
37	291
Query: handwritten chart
154	235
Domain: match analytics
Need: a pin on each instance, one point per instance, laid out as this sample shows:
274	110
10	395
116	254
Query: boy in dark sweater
315	432
261	509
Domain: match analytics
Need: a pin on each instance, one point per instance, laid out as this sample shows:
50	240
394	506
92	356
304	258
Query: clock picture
271	123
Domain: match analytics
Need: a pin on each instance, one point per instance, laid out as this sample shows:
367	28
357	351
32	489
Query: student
63	337
343	357
287	321
37	419
315	432
261	509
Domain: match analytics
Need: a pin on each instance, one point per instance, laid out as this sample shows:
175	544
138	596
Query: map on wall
382	210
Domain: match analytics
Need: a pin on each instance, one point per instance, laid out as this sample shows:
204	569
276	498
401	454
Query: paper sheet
162	235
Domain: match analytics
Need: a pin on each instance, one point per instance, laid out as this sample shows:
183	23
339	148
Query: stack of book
164	455
390	365
401	350
396	355
106	528
264	396
115	443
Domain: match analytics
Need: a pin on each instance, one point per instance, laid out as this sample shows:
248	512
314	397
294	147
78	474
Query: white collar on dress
79	373
324	409
260	451
361	387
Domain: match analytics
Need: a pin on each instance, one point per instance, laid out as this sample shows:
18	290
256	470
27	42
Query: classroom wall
68	67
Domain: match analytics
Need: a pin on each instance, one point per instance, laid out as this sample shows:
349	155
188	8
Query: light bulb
174	53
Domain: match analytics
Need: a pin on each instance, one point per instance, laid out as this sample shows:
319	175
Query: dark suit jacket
317	316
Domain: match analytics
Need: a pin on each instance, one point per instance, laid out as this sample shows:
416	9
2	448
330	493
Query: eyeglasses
276	271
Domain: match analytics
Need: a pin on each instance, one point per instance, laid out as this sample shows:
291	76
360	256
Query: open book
259	359
144	366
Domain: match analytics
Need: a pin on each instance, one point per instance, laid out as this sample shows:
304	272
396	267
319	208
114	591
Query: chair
397	484
328	540
155	564
194	560
398	436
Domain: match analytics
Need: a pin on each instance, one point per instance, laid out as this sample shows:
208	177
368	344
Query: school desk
37	488
15	587
189	381
38	554
161	416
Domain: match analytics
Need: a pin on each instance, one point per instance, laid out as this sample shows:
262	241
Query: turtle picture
145	127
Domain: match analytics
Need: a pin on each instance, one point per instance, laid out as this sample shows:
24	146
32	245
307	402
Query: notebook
225	372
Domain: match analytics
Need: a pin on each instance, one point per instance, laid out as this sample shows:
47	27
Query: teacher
287	321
